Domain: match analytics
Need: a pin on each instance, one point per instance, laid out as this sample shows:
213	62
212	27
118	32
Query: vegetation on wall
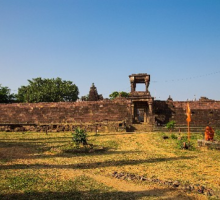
48	90
115	94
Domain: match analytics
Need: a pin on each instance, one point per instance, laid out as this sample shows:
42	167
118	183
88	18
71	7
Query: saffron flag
188	113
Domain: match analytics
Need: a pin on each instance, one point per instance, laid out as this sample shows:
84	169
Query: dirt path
120	185
154	191
147	191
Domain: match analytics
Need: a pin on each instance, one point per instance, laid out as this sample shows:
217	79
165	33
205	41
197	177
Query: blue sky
177	42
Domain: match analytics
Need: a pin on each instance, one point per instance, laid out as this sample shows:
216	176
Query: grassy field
40	166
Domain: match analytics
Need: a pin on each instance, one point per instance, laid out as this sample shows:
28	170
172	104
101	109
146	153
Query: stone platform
140	128
209	144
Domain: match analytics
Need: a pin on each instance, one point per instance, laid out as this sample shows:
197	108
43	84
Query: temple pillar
133	84
135	114
147	83
150	107
132	112
145	115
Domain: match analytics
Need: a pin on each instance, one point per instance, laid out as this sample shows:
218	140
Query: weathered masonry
141	103
139	112
65	116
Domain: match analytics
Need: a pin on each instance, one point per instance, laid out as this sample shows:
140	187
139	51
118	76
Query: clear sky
177	42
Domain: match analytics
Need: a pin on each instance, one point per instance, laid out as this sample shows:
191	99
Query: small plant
170	125
164	136
173	136
79	137
183	143
217	135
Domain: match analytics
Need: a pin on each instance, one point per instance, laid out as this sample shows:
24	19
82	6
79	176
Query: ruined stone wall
69	113
202	112
106	115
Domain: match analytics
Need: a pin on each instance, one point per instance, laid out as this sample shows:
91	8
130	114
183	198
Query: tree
85	98
115	94
5	95
48	90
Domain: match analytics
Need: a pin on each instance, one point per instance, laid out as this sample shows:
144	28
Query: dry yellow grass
36	166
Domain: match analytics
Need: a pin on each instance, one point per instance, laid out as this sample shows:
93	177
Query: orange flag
188	113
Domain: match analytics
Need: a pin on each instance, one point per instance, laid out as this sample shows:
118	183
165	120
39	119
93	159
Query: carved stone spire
93	94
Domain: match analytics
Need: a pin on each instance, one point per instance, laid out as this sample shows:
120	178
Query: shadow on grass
95	164
34	150
76	154
36	139
24	150
97	194
33	146
28	144
109	134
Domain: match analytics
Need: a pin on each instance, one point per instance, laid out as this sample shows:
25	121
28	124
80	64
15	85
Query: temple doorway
141	101
140	112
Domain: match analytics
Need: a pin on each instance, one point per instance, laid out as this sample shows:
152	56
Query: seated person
209	133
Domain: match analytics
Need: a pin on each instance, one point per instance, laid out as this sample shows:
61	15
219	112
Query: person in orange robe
209	133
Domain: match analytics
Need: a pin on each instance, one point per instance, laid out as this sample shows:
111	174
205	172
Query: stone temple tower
93	94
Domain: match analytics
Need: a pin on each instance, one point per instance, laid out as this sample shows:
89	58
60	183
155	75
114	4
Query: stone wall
105	116
202	112
64	114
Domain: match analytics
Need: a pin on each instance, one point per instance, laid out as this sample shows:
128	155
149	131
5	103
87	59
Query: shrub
170	125
173	136
79	137
217	135
183	143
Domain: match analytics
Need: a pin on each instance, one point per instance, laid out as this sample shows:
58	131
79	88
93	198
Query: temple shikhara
139	112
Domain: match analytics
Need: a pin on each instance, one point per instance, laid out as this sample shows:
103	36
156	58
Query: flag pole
188	133
188	119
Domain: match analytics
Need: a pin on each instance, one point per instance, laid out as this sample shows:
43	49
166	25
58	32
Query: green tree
48	90
85	98
115	94
5	95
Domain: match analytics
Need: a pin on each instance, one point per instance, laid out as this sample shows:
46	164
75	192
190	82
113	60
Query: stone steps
140	128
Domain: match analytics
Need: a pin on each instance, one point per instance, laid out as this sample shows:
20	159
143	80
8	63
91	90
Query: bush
79	137
173	136
170	125
183	143
217	135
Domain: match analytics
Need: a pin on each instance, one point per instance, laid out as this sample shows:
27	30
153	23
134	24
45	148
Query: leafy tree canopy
115	94
48	90
5	95
85	98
